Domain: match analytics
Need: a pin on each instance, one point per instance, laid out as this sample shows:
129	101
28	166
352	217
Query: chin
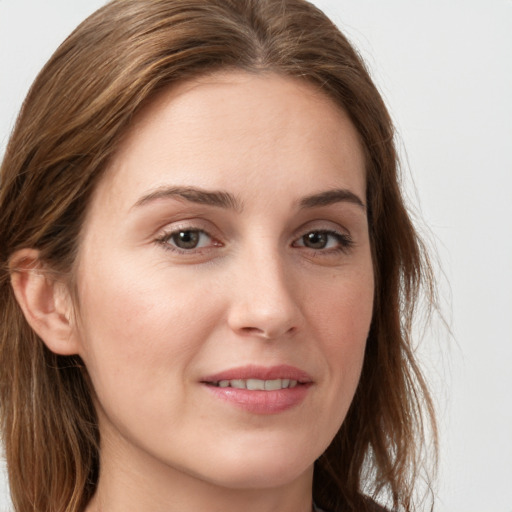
260	469
267	477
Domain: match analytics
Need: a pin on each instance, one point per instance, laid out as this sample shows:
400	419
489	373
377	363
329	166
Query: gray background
445	70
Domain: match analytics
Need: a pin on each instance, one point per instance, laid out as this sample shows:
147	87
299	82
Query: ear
45	302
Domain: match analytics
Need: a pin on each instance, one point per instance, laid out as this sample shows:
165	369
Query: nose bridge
265	303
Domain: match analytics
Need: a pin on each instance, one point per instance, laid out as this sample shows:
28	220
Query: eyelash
344	241
166	237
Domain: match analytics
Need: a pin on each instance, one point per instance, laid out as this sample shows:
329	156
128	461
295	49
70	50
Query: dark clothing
372	507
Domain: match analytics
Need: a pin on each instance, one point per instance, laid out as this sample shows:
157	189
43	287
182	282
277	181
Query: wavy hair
70	125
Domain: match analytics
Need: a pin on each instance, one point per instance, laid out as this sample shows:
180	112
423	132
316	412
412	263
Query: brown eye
316	239
186	239
325	240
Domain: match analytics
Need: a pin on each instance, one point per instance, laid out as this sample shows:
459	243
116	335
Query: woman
208	273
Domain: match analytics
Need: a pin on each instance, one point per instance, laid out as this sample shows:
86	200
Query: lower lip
262	402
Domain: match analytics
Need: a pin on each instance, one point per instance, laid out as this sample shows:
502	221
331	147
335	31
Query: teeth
255	384
272	385
258	384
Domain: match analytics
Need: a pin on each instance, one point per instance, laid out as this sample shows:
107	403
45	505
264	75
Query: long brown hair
70	125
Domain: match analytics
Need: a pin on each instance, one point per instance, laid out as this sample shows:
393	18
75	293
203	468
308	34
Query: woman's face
227	249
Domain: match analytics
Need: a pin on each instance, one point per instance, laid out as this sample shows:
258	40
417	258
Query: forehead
238	130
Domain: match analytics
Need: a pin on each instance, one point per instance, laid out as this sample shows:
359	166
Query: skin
154	320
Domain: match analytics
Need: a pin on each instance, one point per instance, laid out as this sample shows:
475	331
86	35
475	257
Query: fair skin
228	240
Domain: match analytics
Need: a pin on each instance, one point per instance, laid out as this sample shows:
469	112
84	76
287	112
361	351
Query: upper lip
262	373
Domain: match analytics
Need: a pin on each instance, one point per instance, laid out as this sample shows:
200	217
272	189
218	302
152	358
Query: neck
131	483
141	497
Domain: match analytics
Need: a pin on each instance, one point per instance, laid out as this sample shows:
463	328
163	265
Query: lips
260	390
257	384
264	373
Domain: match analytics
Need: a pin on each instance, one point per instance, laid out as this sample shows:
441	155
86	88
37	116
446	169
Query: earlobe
45	302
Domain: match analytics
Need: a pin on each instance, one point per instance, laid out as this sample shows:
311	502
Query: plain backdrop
444	68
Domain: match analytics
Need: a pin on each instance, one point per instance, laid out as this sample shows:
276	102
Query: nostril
252	330
264	333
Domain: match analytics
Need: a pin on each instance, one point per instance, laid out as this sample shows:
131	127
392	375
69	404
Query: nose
265	303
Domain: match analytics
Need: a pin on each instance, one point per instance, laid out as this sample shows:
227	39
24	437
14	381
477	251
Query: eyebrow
216	198
222	199
331	197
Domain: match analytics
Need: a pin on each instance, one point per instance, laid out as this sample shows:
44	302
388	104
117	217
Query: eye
187	239
324	240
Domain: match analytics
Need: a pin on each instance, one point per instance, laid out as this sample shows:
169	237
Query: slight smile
257	384
261	390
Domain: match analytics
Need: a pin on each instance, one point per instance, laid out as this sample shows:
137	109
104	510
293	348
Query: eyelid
166	233
328	226
344	240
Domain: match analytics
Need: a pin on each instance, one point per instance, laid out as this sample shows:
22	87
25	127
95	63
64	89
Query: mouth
256	384
260	378
261	390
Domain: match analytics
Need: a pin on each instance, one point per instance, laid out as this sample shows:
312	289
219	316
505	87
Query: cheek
343	308
137	325
141	333
343	320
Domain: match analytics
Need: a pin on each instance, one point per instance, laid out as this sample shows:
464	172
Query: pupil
186	239
315	240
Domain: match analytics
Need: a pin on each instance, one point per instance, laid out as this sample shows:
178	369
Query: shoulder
371	506
375	507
